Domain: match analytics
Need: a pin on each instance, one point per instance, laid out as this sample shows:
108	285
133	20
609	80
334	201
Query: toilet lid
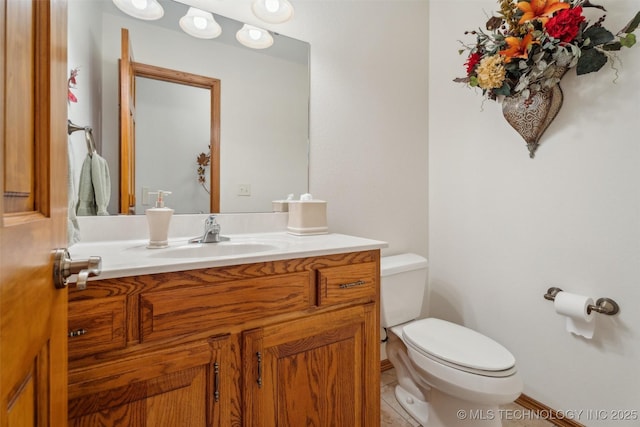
461	347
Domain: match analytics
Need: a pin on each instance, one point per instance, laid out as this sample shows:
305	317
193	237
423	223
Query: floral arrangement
203	160
529	41
71	84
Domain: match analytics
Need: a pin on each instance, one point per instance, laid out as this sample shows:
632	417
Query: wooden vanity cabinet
282	343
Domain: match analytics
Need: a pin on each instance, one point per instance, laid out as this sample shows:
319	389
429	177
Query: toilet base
446	411
418	409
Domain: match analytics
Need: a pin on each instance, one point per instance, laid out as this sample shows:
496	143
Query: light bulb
139	4
255	34
199	22
272	11
254	37
272	5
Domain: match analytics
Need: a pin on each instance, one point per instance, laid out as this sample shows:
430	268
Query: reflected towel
73	228
86	198
101	183
94	190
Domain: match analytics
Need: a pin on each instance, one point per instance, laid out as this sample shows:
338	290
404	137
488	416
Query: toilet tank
403	279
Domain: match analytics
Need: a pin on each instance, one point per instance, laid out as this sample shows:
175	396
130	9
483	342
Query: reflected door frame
127	126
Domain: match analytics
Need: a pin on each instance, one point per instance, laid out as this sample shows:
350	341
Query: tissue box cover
307	217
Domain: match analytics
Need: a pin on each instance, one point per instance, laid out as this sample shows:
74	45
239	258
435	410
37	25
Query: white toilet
448	375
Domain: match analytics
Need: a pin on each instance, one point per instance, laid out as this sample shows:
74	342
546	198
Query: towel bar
603	305
88	135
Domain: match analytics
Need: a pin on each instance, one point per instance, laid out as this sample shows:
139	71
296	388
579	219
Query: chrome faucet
211	232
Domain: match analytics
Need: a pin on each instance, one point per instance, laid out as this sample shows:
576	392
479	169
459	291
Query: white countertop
121	258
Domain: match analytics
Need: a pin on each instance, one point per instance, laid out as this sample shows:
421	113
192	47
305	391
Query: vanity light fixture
272	11
200	24
148	10
254	37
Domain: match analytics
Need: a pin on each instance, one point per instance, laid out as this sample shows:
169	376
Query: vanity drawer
96	326
217	306
347	283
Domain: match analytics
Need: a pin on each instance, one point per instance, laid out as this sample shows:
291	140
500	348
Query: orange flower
540	9
518	47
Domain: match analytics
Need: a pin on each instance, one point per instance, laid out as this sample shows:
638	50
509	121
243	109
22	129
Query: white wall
504	228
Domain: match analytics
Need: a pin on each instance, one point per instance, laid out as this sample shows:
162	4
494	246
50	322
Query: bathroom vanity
288	336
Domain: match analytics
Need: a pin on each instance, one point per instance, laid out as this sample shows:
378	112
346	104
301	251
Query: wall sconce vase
532	116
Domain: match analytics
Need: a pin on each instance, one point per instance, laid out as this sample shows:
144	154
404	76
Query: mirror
264	113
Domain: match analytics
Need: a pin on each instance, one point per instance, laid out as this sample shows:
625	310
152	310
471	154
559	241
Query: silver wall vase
532	116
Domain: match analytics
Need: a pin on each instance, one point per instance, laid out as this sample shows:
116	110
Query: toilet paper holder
603	305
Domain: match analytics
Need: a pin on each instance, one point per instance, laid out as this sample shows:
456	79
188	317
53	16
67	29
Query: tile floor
392	414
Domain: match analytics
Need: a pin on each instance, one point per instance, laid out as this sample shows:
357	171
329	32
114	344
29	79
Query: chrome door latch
64	266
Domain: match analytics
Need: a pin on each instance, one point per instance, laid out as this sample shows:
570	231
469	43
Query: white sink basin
210	250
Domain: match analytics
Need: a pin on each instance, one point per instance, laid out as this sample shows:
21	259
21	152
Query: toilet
448	375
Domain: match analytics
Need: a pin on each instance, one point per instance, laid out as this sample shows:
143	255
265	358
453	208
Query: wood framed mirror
129	72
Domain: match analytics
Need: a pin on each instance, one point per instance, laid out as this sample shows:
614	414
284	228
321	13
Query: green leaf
473	81
628	40
598	35
612	46
590	61
504	90
632	25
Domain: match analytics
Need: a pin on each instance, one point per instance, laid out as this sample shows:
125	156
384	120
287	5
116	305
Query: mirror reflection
263	115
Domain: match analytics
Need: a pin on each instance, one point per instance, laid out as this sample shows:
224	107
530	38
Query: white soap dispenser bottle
158	219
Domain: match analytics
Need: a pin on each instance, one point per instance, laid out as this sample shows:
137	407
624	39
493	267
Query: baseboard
537	409
549	414
385	365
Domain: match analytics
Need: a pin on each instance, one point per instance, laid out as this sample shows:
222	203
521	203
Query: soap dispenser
158	219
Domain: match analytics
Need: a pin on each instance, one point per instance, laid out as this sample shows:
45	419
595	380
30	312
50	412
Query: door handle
64	266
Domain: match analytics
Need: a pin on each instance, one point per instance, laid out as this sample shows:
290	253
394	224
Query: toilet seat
458	347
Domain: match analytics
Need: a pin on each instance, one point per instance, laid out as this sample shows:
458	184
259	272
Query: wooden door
319	371
178	386
33	176
127	126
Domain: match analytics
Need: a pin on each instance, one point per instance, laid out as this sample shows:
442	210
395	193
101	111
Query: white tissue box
307	217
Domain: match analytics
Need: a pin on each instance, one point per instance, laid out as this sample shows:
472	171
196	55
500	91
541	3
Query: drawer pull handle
77	333
259	355
352	284
216	380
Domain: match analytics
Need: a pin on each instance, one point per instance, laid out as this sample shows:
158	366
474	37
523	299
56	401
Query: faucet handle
211	224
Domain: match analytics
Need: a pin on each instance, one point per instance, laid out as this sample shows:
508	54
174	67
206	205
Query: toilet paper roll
574	307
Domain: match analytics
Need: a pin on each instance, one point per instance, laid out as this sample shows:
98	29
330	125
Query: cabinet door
185	385
322	370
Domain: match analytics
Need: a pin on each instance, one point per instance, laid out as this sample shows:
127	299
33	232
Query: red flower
472	61
566	24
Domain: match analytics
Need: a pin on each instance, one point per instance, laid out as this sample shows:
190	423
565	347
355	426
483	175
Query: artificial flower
565	25
518	47
71	84
541	10
491	72
472	61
